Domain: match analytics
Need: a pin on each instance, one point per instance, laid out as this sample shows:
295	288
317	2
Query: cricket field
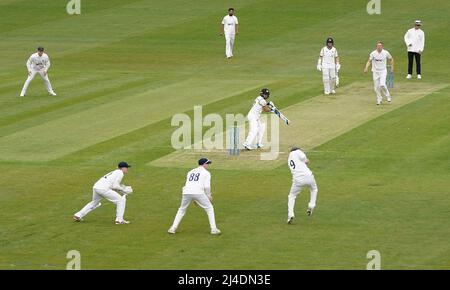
122	69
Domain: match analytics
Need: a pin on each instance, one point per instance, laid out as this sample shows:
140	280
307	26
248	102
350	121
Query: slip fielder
257	127
328	63
38	63
378	59
302	177
107	187
198	189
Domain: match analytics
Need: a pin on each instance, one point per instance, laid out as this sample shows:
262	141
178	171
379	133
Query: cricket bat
278	113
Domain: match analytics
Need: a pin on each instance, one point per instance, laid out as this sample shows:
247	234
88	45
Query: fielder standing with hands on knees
198	189
38	63
415	43
107	187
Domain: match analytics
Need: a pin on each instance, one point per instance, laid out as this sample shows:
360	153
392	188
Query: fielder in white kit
257	127
198	189
301	177
229	28
38	63
107	187
378	59
328	63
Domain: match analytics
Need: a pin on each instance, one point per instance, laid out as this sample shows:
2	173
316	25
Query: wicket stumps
234	141
390	78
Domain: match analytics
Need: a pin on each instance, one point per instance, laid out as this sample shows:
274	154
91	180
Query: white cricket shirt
229	24
415	37
111	180
198	181
328	57
379	60
36	62
297	164
256	109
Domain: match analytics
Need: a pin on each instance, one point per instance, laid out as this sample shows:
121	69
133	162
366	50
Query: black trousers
411	56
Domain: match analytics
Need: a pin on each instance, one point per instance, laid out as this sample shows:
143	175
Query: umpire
415	42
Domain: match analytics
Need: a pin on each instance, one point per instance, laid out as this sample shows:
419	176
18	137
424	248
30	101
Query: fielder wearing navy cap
123	164
202	161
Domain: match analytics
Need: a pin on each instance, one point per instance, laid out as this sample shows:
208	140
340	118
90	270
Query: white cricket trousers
329	79
31	76
256	130
229	44
203	201
112	196
379	84
296	188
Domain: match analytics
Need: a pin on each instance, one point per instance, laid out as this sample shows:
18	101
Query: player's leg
383	85
261	131
313	198
376	86
253	131
47	83
204	202
27	83
295	190
228	45
232	36
332	73
120	202
95	203
185	201
418	65
410	64
326	81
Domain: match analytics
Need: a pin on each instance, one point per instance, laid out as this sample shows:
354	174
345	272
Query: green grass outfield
123	68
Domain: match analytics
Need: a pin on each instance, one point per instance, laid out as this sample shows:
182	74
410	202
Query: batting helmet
329	40
265	93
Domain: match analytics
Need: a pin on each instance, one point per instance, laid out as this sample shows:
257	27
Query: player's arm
392	64
116	184
369	62
338	63
237	28
422	43
265	106
29	65
406	38
47	66
207	186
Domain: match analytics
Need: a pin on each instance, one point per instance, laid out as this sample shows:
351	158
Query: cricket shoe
333	92
77	219
259	146
122	222
215	232
246	147
309	211
327	93
172	231
290	220
409	76
52	93
389	100
419	77
22	95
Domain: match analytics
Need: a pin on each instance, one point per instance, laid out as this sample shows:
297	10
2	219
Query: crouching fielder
38	63
197	189
301	177
106	188
378	59
328	63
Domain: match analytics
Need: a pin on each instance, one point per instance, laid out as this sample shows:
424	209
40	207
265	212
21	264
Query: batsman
328	64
